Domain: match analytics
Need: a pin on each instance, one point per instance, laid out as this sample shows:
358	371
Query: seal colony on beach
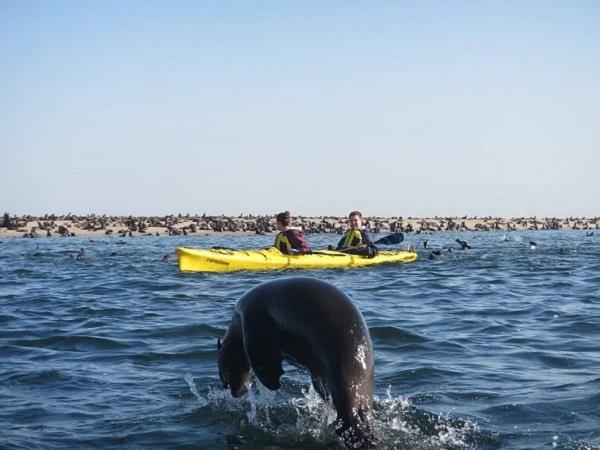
313	325
182	225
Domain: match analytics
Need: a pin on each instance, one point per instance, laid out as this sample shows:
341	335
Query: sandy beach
177	225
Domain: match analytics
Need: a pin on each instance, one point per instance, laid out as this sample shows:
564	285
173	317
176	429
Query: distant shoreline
177	225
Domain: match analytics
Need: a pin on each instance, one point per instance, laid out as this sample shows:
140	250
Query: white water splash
290	418
398	424
194	390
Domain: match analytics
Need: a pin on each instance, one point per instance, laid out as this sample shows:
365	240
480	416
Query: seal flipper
263	350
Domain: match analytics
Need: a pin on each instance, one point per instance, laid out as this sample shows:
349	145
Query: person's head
355	220
283	220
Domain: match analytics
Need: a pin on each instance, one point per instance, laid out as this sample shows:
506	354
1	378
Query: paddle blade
390	239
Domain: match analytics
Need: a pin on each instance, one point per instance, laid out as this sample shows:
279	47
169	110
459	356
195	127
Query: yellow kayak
227	260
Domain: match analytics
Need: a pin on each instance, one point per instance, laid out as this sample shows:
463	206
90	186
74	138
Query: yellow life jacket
283	243
350	238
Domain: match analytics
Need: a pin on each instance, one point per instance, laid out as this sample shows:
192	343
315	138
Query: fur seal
463	244
82	256
313	325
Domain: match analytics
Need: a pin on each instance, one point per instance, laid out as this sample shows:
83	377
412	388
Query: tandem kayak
228	260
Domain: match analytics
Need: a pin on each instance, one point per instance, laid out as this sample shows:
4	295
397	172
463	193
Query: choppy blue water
494	347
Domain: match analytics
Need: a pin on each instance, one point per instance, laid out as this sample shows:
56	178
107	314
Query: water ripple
495	347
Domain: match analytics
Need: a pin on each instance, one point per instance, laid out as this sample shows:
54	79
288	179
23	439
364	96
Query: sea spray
203	401
278	417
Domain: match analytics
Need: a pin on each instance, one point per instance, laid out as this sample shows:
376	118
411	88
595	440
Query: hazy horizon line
407	216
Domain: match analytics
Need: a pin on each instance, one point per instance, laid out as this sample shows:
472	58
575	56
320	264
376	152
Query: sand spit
175	225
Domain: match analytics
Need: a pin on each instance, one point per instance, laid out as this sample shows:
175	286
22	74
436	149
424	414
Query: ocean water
493	347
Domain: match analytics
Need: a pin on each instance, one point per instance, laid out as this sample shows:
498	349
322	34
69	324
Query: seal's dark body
312	324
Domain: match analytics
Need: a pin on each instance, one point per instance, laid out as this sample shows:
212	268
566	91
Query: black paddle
390	239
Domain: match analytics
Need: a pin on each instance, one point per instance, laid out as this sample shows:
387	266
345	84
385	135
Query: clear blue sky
394	108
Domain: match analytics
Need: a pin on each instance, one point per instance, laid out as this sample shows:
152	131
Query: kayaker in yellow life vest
357	239
289	238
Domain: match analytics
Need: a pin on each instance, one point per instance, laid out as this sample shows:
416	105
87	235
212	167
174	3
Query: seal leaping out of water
311	324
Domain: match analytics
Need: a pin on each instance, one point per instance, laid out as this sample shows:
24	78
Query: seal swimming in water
435	254
463	245
311	324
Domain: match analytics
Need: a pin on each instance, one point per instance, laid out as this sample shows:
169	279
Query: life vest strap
352	238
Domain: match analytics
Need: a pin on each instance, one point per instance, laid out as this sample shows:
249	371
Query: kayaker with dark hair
289	238
357	239
356	235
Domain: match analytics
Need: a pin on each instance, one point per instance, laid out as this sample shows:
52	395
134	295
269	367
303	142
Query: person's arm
366	237
296	238
341	243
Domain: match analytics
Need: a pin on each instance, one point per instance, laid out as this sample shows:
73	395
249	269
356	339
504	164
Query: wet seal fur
310	324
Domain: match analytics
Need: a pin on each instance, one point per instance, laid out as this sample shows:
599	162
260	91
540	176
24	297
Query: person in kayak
357	239
289	238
